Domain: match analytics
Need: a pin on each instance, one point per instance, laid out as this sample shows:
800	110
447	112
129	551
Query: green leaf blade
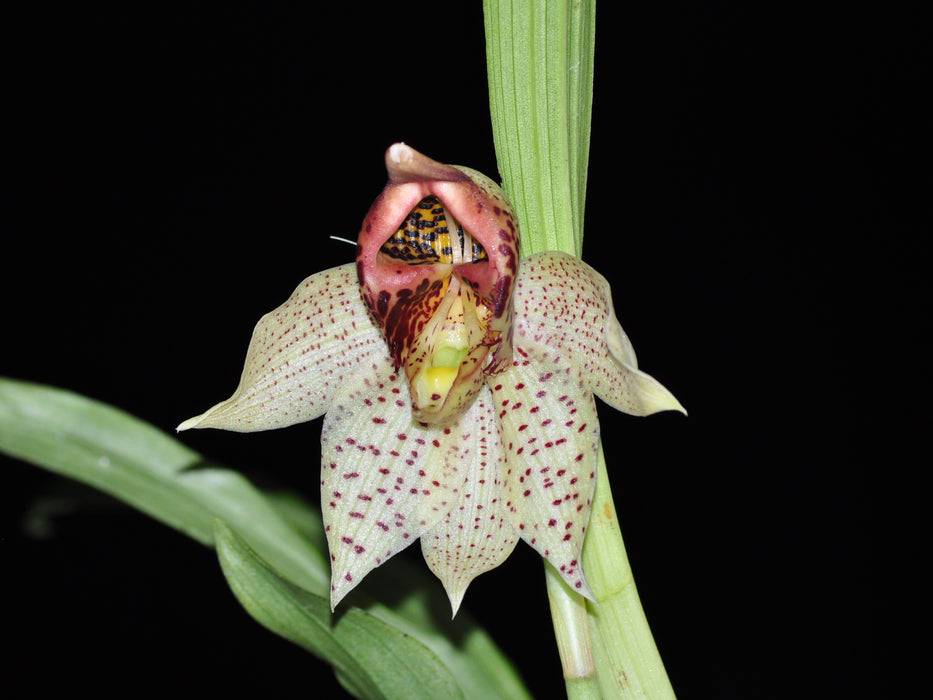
372	659
540	68
140	465
144	467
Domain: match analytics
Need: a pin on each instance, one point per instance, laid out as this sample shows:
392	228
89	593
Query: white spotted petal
383	475
550	434
563	306
477	532
299	355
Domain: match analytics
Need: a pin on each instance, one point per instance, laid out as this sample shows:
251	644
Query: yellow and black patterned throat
429	234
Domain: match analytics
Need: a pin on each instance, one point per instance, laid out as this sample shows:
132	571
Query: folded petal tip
678	407
214	417
653	396
190	423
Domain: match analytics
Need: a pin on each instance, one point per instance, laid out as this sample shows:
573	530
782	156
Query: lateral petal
563	304
299	355
550	433
383	475
476	534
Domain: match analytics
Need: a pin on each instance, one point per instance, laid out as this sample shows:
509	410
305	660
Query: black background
175	174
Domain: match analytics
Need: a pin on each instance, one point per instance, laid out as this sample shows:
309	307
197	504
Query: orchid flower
457	384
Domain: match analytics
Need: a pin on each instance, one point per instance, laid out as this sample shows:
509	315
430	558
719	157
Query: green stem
571	626
540	68
627	659
572	632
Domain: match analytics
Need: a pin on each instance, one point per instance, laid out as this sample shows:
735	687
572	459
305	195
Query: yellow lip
436	378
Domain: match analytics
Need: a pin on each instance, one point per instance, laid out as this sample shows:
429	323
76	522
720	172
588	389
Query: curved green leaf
372	658
127	458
